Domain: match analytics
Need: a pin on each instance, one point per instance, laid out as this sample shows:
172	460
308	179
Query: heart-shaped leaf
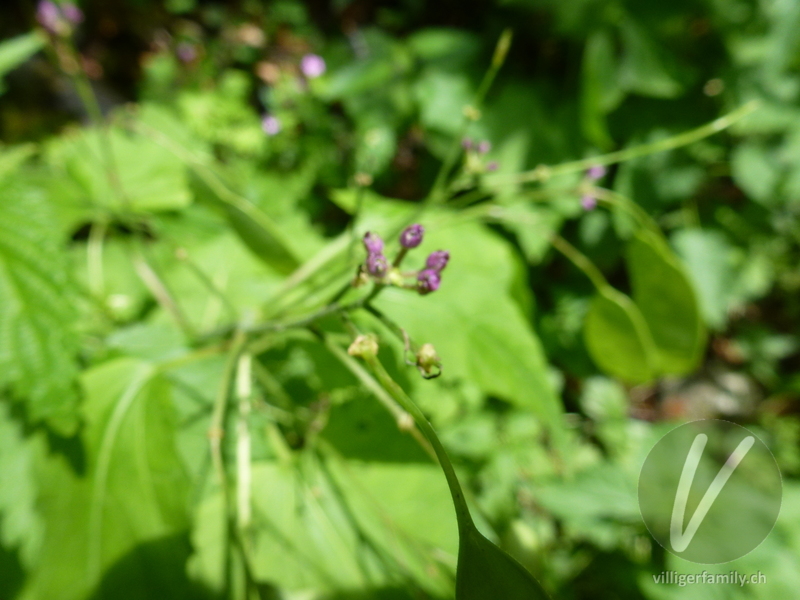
668	303
617	337
485	571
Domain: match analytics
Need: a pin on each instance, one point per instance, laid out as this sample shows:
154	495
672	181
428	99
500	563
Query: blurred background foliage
119	295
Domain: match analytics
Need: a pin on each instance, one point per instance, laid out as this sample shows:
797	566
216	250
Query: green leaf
22	527
11	158
645	68
617	337
478	328
533	226
37	341
709	260
485	571
100	163
337	526
133	492
667	300
756	170
600	92
16	51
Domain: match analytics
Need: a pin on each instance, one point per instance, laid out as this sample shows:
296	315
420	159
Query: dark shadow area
152	570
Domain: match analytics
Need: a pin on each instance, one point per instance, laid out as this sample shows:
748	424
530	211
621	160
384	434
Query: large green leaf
668	303
21	526
116	169
133	490
345	527
618	339
37	341
474	321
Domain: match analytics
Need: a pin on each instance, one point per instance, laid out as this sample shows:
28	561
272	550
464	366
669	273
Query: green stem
400	415
580	260
500	53
465	523
544	172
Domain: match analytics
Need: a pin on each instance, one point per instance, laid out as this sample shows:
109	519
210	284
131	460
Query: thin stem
543	172
500	53
216	432
160	292
580	260
465	523
401	417
244	392
637	212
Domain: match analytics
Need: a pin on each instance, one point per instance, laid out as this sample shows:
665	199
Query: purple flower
312	65
270	124
72	13
428	280
466	143
596	172
437	260
492	166
48	16
373	243
187	53
589	202
377	265
412	236
484	146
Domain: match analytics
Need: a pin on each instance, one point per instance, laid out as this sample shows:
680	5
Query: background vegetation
181	197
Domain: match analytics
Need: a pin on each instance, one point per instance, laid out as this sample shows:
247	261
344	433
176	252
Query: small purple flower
412	236
484	146
492	166
596	172
373	243
48	16
312	65
270	124
72	13
428	280
589	202
467	143
187	53
437	261
377	265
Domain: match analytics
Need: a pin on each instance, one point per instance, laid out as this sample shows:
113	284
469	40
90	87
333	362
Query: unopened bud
364	346
412	236
428	362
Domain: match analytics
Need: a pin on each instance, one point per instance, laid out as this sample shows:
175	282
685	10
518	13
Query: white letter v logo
679	539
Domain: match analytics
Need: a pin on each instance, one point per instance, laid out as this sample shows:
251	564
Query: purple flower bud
589	202
72	13
466	143
428	280
492	166
596	172
373	243
48	16
271	125
412	236
187	53
312	65
377	265
437	260
484	146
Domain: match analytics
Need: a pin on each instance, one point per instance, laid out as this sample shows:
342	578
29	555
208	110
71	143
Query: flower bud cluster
378	267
